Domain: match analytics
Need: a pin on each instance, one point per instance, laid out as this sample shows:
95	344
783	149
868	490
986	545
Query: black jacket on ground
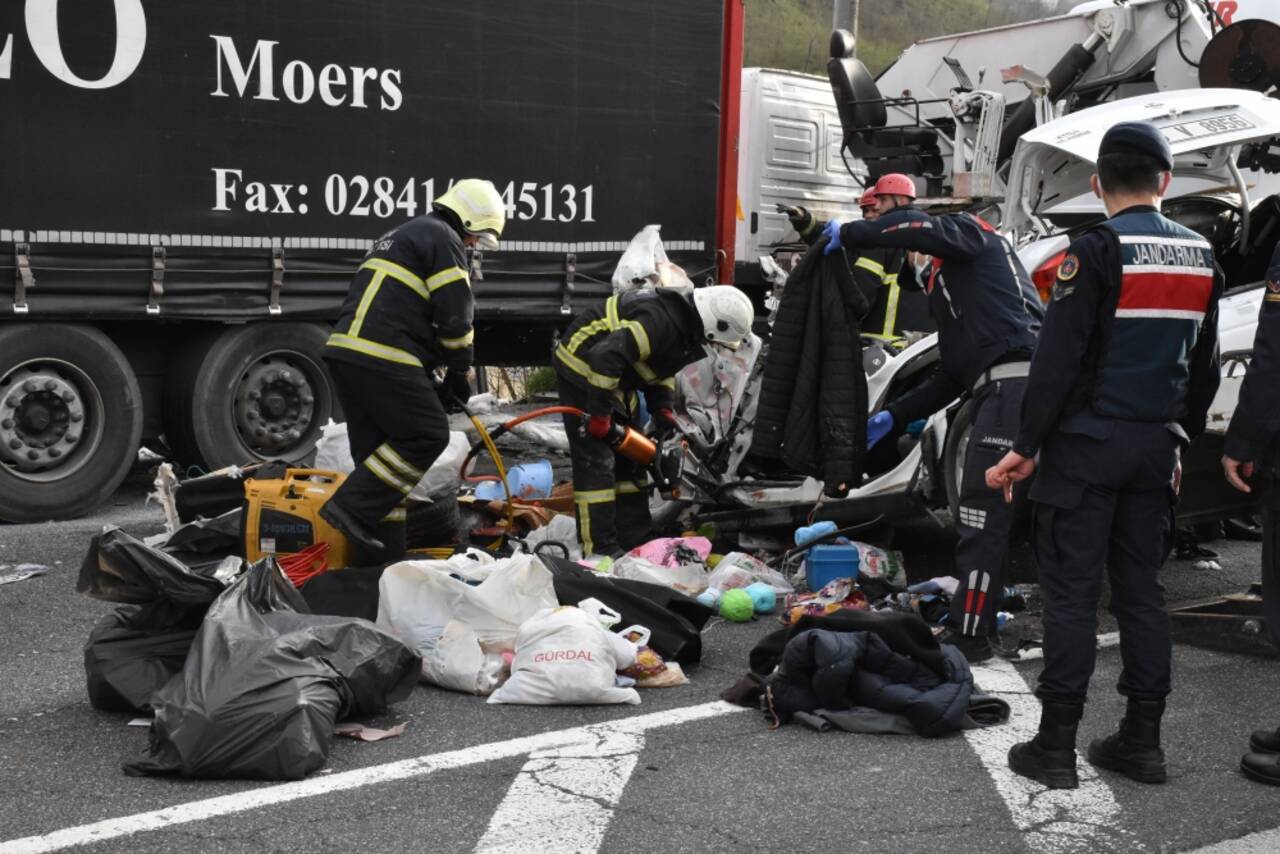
835	671
813	398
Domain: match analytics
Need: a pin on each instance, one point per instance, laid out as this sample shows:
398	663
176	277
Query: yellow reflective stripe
460	343
584	370
637	331
868	264
580	337
398	273
628	487
642	337
399	514
891	307
388	477
594	496
374	349
667	383
370	291
646	373
390	457
444	277
584	528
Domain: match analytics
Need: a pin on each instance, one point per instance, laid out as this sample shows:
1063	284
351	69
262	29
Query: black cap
1137	138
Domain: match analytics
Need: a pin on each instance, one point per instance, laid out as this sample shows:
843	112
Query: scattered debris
11	573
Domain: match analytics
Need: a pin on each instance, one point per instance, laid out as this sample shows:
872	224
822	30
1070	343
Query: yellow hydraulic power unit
282	516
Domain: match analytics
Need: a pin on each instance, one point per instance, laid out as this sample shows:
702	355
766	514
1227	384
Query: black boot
1263	767
350	526
975	648
1050	757
1134	750
1265	741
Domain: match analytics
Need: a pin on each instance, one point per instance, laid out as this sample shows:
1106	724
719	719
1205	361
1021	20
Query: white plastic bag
461	630
564	656
443	478
561	529
645	264
738	569
875	562
333	451
688	578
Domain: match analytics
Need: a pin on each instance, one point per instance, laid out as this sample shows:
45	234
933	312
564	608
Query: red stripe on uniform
1169	291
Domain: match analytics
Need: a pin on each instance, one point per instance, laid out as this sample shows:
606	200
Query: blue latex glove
878	426
832	232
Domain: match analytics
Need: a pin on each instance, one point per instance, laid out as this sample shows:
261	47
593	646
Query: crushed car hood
1205	128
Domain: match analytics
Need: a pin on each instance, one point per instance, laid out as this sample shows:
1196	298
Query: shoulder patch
1273	285
1068	268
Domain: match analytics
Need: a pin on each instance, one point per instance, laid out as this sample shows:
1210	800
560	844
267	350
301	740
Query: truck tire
249	393
70	420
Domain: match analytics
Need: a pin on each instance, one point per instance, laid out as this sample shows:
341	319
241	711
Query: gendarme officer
1125	370
1253	444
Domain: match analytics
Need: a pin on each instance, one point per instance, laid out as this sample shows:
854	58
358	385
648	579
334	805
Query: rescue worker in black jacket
896	308
408	311
988	314
635	342
1253	445
1121	382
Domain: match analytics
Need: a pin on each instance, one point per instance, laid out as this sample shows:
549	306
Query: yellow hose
502	469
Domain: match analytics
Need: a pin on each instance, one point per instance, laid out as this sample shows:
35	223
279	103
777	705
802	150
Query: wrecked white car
1226	144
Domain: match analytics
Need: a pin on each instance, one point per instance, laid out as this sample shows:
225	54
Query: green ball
736	605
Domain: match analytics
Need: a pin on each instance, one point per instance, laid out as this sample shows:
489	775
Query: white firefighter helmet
726	314
479	207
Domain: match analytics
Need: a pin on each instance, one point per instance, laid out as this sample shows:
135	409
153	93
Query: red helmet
895	184
868	199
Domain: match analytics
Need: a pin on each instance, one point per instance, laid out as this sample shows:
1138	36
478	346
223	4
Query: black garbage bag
265	682
119	568
674	620
133	651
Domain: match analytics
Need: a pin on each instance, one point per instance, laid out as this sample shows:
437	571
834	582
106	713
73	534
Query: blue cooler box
827	563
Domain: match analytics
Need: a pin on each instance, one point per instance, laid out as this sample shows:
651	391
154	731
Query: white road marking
1061	821
1262	842
563	798
268	796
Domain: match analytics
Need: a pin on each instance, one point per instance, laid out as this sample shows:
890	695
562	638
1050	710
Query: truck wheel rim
275	402
51	420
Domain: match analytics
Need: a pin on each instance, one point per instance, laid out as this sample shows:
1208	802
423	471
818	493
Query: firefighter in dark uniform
988	314
1120	384
635	342
408	311
896	307
1253	444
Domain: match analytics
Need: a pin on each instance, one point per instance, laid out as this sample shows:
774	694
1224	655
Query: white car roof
1053	162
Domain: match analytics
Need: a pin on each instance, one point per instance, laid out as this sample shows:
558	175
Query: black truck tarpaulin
227	134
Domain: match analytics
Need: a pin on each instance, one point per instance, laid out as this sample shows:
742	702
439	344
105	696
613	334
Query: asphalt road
673	774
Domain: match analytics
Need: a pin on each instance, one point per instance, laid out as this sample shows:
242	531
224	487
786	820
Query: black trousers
610	492
985	521
1271	558
1104	499
396	427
